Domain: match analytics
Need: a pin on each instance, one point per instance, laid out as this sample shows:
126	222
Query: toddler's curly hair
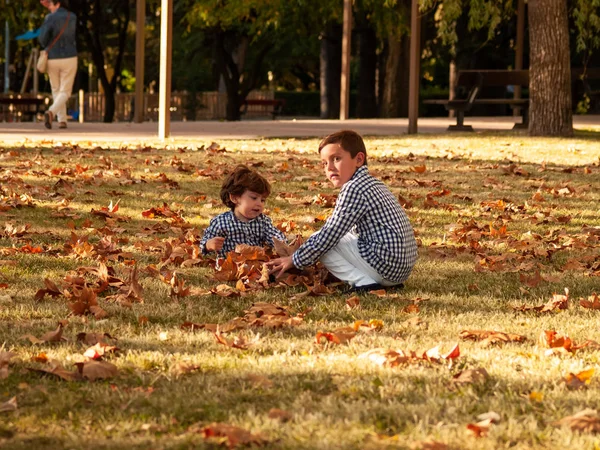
243	179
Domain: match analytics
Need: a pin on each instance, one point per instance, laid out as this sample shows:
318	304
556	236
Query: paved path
16	133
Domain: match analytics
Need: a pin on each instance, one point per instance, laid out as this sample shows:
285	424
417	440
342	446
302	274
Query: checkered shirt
367	208
259	231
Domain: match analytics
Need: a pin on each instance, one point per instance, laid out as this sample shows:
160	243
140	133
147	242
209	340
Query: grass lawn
503	221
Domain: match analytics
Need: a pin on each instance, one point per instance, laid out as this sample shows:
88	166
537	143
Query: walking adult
57	36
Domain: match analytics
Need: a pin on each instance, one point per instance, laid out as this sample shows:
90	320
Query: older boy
368	241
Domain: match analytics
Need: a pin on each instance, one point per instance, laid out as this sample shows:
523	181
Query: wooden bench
273	107
473	82
18	105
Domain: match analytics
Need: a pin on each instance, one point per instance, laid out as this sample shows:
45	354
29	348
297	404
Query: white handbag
42	62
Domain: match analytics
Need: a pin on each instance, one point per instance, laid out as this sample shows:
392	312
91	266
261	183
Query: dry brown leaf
183	368
586	421
579	380
480	429
4	361
372	324
491	337
224	290
51	336
429	445
98	351
239	342
85	302
233	436
555	343
557	303
385	357
96	370
8	406
58	371
284	249
592	302
94	338
335	337
51	289
415	322
280	414
259	381
353	302
411	309
471	376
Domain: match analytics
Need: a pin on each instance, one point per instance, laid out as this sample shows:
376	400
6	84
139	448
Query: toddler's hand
215	244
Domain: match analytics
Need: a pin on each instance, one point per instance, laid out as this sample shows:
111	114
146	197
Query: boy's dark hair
349	140
243	179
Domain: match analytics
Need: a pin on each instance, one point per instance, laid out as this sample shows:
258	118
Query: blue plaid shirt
259	231
367	208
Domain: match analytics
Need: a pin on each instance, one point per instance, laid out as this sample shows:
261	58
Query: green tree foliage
586	15
244	33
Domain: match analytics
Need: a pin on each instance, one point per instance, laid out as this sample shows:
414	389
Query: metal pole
346	42
7	56
36	74
81	106
415	66
166	45
139	61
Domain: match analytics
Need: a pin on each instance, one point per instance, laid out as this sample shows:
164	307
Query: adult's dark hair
243	179
349	140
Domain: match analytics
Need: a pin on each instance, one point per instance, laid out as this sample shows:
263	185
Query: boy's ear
234	199
360	158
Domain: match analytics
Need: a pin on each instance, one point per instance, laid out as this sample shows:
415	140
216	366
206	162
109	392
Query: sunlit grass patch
501	218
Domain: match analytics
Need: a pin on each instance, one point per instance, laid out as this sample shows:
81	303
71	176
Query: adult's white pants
62	76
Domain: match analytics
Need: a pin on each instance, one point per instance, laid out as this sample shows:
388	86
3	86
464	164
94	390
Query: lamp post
7	55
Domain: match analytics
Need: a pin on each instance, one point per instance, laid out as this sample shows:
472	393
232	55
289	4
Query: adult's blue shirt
66	46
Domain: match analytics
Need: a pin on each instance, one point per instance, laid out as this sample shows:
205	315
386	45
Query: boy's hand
215	244
45	3
280	265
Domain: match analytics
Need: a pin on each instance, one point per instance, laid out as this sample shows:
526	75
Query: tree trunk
550	109
331	71
366	103
90	16
394	101
228	69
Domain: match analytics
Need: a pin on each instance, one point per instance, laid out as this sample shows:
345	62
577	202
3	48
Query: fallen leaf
234	436
280	414
335	337
8	406
4	361
429	445
593	302
585	421
491	337
471	376
575	381
259	381
353	302
59	372
535	396
96	370
480	429
238	342
51	336
284	249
